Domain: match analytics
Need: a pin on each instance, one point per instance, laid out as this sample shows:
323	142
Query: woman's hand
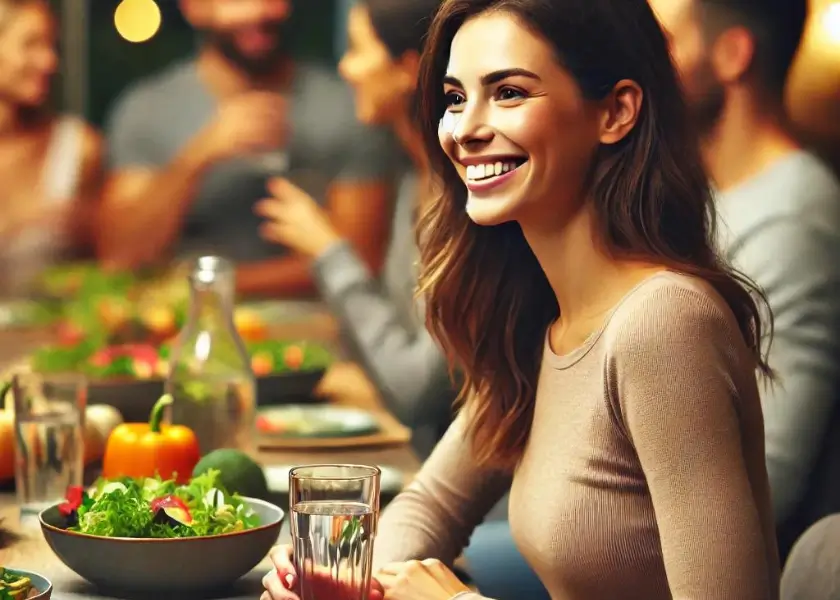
282	582
420	580
295	220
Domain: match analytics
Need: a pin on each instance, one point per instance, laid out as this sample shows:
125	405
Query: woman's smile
483	174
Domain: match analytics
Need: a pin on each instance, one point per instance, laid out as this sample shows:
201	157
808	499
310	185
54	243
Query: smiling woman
609	356
567	263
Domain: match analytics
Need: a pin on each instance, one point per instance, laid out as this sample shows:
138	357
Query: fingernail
289	579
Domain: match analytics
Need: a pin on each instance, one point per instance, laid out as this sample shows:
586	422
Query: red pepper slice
74	498
173	507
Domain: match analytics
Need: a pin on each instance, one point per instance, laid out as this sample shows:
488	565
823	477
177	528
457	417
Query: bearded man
778	223
191	150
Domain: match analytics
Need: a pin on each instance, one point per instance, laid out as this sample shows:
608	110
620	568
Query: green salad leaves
153	508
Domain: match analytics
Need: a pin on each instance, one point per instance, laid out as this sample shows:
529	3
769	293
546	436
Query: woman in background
382	319
610	358
50	167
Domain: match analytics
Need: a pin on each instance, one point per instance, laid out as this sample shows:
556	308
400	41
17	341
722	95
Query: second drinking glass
49	438
335	510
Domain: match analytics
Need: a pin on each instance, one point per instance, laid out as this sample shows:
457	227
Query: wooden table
345	383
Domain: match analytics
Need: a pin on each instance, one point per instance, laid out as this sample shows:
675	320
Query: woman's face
28	58
381	84
516	127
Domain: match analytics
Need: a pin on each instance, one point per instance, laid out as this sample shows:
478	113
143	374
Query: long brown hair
488	301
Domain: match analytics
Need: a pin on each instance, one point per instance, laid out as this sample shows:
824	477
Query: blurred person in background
382	318
779	207
50	167
191	149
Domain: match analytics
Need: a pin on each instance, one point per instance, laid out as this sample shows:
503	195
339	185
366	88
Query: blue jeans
497	568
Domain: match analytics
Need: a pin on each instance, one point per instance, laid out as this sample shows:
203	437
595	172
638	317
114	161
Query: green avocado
238	472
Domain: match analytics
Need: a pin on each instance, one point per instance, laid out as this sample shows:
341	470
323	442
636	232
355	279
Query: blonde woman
50	167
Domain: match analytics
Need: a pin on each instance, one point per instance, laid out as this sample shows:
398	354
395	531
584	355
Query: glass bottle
210	376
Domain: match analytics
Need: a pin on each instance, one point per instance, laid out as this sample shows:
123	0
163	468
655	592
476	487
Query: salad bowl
160	565
35	586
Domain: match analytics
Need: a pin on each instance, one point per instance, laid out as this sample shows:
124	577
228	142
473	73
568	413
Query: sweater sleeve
407	367
436	514
681	381
796	265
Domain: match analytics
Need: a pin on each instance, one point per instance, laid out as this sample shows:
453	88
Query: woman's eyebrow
494	77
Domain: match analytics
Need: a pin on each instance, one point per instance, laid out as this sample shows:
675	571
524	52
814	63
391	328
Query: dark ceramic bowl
176	565
39	582
134	398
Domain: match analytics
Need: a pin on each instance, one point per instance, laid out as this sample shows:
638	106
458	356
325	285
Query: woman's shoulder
74	156
671	307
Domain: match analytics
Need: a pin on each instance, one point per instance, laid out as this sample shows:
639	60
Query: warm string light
137	20
831	22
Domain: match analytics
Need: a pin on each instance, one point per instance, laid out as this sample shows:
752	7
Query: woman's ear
621	111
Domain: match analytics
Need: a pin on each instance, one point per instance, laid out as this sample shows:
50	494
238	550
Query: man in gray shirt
779	222
191	150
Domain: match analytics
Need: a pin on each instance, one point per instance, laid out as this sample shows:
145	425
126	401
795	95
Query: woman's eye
508	93
453	99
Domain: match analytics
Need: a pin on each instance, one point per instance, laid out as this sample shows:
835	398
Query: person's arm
675	380
144	202
83	230
357	209
796	264
436	514
143	210
408	367
359	204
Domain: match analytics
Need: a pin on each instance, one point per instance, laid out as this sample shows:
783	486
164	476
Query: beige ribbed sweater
644	476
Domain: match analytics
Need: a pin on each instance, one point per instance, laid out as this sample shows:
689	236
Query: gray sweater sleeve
797	264
407	367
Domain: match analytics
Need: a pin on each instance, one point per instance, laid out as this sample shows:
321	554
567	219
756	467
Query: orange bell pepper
151	449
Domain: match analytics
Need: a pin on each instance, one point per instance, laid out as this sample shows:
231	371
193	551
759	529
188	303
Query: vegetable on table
238	472
152	507
151	449
15	586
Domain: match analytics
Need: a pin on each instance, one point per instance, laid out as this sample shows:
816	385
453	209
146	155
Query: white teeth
485	171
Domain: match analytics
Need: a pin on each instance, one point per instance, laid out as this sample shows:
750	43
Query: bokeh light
137	20
831	22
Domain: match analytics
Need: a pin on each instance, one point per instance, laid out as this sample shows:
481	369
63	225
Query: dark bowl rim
37	574
58	530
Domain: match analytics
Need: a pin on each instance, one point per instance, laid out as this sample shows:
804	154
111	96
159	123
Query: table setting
168	464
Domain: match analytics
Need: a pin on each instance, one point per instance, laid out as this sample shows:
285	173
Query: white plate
318	421
391	480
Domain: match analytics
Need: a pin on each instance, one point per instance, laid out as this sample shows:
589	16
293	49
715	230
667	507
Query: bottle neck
211	306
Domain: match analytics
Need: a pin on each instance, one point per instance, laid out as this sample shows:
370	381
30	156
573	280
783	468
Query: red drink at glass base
334	515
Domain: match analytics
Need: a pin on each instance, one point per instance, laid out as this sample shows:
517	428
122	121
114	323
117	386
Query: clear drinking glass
335	510
49	438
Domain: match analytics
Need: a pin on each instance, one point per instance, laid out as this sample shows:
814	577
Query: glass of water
335	510
49	438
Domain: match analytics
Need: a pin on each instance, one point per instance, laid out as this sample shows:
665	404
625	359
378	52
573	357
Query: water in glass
334	518
49	442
